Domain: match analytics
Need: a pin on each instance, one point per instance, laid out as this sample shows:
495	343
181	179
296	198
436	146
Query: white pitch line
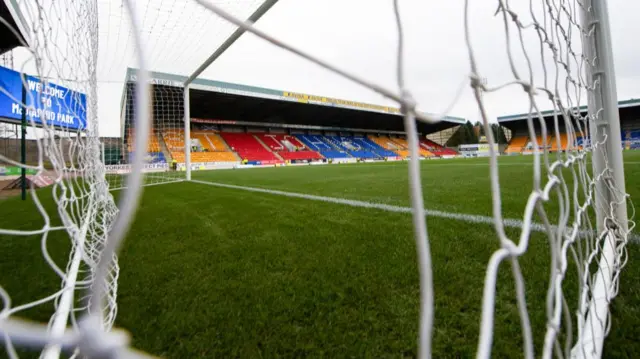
470	218
149	184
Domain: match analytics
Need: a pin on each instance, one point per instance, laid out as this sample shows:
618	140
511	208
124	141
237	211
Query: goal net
55	155
557	55
165	151
48	95
161	21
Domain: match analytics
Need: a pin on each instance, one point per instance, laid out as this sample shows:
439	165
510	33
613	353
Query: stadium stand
350	145
216	149
436	149
204	141
631	138
206	157
522	143
517	144
386	143
563	143
371	146
404	152
288	147
321	144
217	142
174	141
541	144
249	147
155	154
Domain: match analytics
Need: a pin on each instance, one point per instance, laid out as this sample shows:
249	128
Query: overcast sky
357	35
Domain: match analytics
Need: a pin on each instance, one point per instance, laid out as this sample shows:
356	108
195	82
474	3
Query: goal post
611	204
255	16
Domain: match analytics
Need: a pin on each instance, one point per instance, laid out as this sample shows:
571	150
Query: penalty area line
470	218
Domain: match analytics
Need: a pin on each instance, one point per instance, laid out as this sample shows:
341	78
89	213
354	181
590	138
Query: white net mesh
164	155
588	230
556	60
160	22
62	152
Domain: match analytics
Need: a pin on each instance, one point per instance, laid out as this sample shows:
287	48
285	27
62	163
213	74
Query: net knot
476	82
408	103
96	343
529	88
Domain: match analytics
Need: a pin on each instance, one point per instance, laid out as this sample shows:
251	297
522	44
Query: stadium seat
563	143
300	155
218	143
631	139
174	139
355	146
372	146
152	146
215	149
436	149
249	147
517	144
404	152
543	145
288	147
206	157
154	149
321	144
388	144
204	140
315	142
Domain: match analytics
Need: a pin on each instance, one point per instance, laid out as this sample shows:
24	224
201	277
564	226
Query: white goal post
257	14
572	39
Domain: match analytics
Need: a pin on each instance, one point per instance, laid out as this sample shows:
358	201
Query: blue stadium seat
374	147
631	138
355	146
315	142
323	145
335	154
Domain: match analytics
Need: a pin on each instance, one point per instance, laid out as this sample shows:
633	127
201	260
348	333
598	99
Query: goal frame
604	128
255	16
610	206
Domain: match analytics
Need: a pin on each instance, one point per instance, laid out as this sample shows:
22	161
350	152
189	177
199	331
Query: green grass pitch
210	272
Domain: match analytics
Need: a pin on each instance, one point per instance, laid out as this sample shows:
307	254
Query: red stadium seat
248	147
288	147
436	149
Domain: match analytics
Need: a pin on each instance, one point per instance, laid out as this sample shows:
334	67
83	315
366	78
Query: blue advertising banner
51	104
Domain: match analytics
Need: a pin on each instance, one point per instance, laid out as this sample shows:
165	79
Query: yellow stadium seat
517	144
405	147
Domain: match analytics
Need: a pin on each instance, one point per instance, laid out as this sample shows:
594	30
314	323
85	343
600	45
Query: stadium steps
267	147
218	141
204	141
164	149
210	143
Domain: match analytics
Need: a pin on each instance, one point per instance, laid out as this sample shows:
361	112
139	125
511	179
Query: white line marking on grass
428	163
149	184
470	218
